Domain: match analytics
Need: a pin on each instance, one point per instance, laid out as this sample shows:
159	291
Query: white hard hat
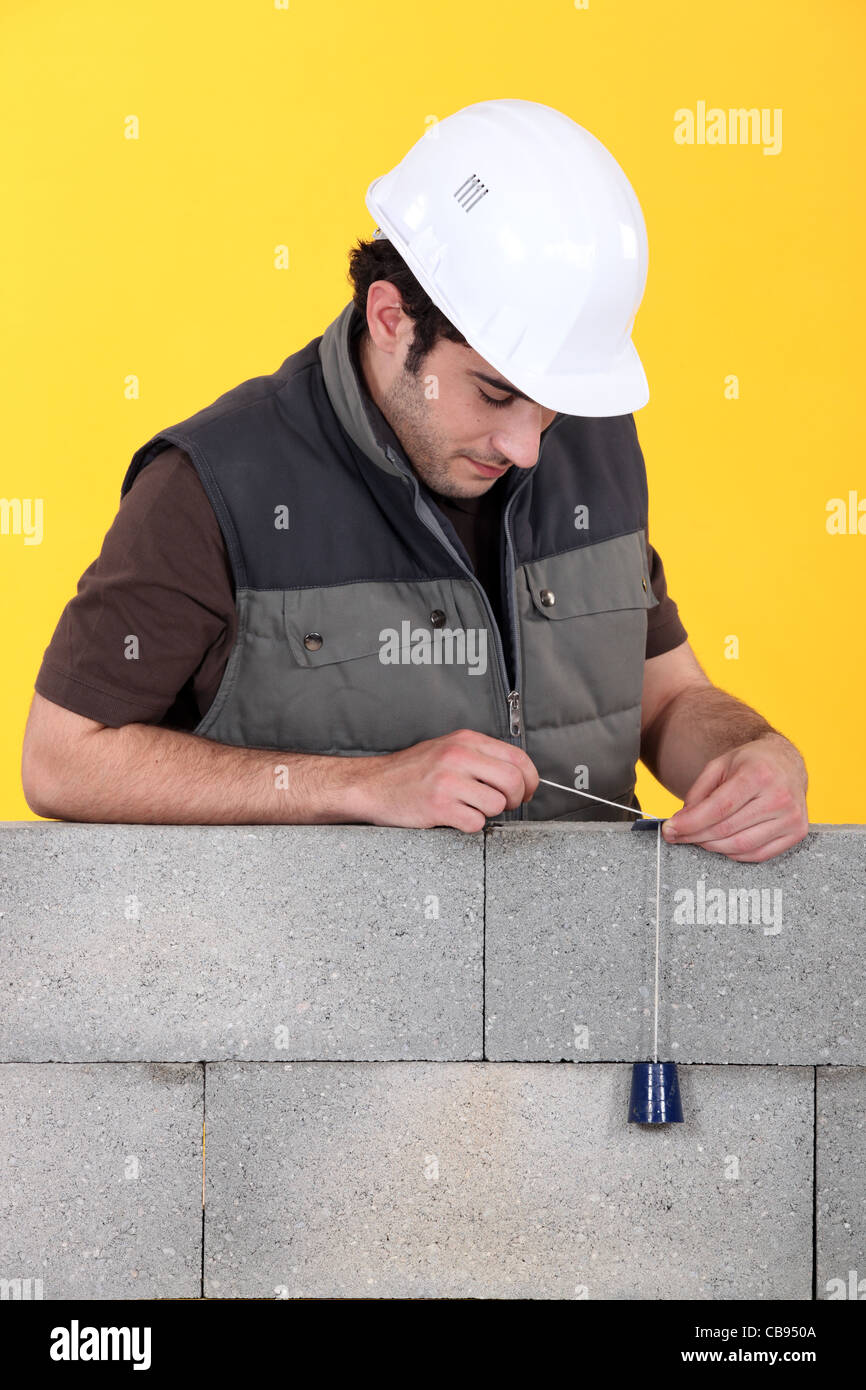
526	233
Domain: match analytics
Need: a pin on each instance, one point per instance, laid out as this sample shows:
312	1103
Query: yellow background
261	126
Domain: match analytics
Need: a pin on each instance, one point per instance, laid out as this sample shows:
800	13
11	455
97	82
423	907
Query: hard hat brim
619	389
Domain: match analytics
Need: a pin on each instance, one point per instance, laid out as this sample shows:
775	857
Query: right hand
459	779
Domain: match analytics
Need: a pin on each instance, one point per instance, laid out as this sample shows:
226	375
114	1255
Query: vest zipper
514	711
512	697
514	721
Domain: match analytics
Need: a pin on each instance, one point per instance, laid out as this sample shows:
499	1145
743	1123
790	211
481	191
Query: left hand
749	803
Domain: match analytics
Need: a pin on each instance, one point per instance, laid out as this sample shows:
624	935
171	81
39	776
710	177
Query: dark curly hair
377	259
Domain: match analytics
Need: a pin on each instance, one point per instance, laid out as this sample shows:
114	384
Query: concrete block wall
408	1056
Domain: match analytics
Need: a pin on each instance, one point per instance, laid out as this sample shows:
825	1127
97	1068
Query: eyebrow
501	385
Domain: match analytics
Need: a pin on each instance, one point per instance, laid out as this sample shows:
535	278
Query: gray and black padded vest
362	628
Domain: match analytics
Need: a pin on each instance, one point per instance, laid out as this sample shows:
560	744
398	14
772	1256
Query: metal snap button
313	641
437	617
548	598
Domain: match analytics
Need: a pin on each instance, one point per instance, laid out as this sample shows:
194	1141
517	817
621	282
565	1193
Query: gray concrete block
570	934
178	943
841	1190
101	1192
505	1181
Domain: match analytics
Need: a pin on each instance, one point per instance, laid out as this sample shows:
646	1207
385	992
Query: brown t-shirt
163	576
148	634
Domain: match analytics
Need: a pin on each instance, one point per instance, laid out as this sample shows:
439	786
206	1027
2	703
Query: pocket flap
592	579
347	621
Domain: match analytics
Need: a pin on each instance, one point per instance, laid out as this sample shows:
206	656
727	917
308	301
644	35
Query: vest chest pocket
583	630
351	621
600	578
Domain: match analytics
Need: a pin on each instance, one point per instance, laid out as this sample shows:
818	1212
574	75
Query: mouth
487	470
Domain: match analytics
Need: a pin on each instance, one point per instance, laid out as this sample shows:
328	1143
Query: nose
519	440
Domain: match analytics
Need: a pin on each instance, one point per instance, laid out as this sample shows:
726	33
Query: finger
482	797
517	757
754	837
755	812
465	818
727	800
501	774
505	755
769	851
506	752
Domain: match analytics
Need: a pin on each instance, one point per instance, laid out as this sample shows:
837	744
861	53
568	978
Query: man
387	583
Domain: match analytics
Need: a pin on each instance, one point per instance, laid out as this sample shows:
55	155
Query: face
461	424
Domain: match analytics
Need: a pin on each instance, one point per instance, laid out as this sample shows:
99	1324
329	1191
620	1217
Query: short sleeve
154	614
664	627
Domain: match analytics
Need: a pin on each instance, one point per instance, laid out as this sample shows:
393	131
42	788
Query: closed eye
491	400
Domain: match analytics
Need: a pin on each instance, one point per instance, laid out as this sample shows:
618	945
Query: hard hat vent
470	192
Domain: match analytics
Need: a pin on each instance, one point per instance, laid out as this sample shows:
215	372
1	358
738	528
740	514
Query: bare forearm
144	774
696	725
